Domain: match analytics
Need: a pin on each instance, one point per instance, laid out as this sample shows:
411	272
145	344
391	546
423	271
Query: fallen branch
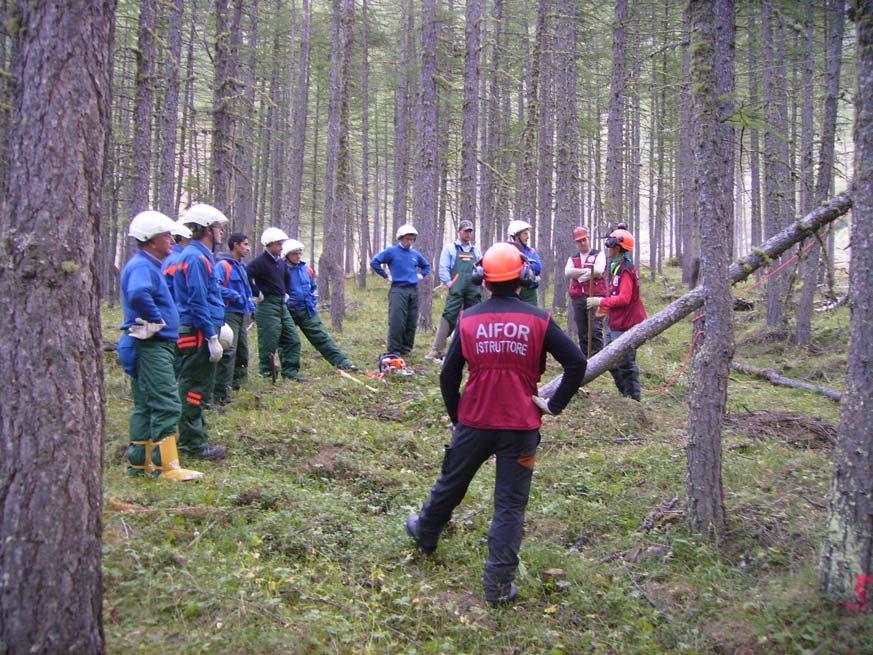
775	377
682	307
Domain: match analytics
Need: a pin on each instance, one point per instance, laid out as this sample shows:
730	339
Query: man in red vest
585	270
503	342
624	308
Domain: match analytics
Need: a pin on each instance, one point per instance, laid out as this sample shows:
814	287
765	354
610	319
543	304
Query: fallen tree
682	307
777	378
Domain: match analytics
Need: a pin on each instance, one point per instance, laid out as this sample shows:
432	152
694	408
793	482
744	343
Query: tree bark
53	420
710	366
847	557
682	307
227	35
299	110
755	230
401	118
545	145
170	117
835	21
142	113
243	210
473	16
365	251
614	121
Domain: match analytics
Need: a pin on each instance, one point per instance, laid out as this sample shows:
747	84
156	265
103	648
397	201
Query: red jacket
579	289
623	300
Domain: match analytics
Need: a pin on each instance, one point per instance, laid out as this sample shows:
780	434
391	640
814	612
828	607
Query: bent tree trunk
847	556
682	307
52	421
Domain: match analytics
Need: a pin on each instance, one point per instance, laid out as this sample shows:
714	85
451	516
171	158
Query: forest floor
295	544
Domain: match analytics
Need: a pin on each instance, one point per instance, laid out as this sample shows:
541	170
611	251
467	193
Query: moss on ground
295	544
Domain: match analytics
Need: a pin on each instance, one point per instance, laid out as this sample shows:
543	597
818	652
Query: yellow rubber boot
169	467
147	467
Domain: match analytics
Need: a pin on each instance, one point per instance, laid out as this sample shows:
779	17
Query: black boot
412	531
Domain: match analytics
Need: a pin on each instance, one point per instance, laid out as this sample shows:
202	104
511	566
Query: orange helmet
502	262
580	233
621	238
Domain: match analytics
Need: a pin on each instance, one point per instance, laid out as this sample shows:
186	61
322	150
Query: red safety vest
580	289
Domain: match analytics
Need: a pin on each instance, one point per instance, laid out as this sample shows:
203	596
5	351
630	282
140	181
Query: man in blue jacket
182	236
238	304
519	236
201	315
407	267
147	349
303	305
457	261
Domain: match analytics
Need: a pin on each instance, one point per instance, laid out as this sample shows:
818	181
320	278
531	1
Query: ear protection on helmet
526	277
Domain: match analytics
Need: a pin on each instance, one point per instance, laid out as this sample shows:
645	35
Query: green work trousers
233	367
529	296
313	329
464	297
196	379
155	393
276	331
402	318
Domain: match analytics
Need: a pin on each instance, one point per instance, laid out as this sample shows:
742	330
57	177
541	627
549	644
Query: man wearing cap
503	342
519	236
585	271
456	266
624	308
407	267
146	351
276	329
232	275
303	306
201	317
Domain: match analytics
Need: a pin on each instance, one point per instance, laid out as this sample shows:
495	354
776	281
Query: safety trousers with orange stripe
196	380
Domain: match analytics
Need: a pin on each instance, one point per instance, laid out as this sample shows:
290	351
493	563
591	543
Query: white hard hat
225	336
181	230
515	227
203	214
272	235
405	229
290	246
147	224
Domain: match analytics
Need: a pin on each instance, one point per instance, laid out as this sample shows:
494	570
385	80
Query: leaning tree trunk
426	178
847	557
682	307
713	154
53	420
614	124
835	22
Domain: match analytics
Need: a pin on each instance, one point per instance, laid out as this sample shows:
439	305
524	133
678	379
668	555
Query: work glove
542	403
420	276
258	298
145	330
593	301
215	349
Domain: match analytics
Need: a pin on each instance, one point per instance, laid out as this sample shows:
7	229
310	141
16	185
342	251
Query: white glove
145	330
215	349
420	276
542	403
225	336
258	298
593	301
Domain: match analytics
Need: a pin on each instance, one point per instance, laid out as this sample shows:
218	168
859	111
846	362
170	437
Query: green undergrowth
295	544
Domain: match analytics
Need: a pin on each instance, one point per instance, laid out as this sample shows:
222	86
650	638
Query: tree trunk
835	21
528	202
401	118
426	175
299	109
710	367
614	122
776	168
170	117
53	420
847	558
243	209
473	16
364	221
725	37
682	307
142	113
187	111
567	186
754	144
546	149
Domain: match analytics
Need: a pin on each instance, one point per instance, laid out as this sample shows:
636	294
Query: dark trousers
470	448
276	331
463	298
625	373
581	314
196	380
402	319
233	367
314	331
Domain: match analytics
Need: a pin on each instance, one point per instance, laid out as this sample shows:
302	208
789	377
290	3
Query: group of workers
184	345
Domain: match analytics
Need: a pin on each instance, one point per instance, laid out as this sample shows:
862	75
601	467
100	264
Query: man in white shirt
585	270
